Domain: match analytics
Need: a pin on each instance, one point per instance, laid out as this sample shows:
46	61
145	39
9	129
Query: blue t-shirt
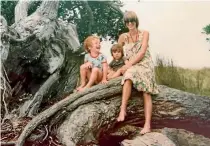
97	62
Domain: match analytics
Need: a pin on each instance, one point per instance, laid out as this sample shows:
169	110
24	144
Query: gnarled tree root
169	103
72	101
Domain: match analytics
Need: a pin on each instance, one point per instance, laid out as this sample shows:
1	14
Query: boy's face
95	47
117	54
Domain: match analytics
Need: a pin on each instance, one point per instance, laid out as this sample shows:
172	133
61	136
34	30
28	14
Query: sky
175	30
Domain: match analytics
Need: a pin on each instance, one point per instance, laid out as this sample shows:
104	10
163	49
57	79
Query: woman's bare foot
121	116
145	130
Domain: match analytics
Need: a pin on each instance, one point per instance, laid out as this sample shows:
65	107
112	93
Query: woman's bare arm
143	50
121	39
126	62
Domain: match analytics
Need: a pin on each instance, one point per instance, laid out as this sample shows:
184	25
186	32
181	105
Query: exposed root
47	133
8	143
94	93
52	142
6	91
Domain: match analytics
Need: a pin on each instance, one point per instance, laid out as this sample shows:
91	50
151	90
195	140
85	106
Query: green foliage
93	17
89	16
206	30
194	81
8	10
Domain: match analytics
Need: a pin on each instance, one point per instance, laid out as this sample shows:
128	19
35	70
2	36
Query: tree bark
99	106
41	48
26	25
21	9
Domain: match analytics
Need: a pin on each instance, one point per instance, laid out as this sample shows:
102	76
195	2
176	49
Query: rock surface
149	139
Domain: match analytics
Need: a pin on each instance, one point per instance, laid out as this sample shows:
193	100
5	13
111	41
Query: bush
194	81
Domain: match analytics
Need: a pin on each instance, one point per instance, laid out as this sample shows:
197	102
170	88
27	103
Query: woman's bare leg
126	93
147	113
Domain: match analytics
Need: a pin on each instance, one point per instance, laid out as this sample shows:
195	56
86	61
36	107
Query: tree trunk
99	106
25	25
21	10
43	54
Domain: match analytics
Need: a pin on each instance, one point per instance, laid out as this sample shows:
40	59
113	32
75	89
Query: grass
191	80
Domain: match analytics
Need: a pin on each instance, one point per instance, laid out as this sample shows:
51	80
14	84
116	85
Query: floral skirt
142	76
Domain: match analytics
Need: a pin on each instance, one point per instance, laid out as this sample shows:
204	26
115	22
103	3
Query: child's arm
110	67
86	61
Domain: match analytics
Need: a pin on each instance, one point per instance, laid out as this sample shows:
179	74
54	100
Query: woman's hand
125	67
88	65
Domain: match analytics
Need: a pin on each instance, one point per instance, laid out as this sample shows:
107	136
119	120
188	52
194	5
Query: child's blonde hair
88	42
117	47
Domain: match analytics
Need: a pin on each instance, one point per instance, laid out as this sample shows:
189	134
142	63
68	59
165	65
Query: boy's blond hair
117	47
88	42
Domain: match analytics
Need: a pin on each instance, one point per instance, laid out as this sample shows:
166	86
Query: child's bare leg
126	93
99	77
84	72
95	77
147	113
116	74
110	74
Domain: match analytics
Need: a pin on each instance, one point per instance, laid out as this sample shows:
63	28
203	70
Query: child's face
117	55
95	47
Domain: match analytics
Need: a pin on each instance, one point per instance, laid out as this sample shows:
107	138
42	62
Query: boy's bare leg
110	74
126	93
147	113
116	74
84	73
95	77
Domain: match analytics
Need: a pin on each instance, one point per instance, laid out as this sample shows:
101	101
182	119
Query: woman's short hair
88	42
117	47
131	16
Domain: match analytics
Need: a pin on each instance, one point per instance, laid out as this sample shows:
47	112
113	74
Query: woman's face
131	23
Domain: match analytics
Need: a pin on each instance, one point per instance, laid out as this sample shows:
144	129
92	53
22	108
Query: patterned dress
142	73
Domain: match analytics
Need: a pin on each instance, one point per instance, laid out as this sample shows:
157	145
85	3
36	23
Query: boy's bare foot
121	116
146	129
80	87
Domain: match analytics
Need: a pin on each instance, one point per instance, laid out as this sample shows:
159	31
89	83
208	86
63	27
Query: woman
139	71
